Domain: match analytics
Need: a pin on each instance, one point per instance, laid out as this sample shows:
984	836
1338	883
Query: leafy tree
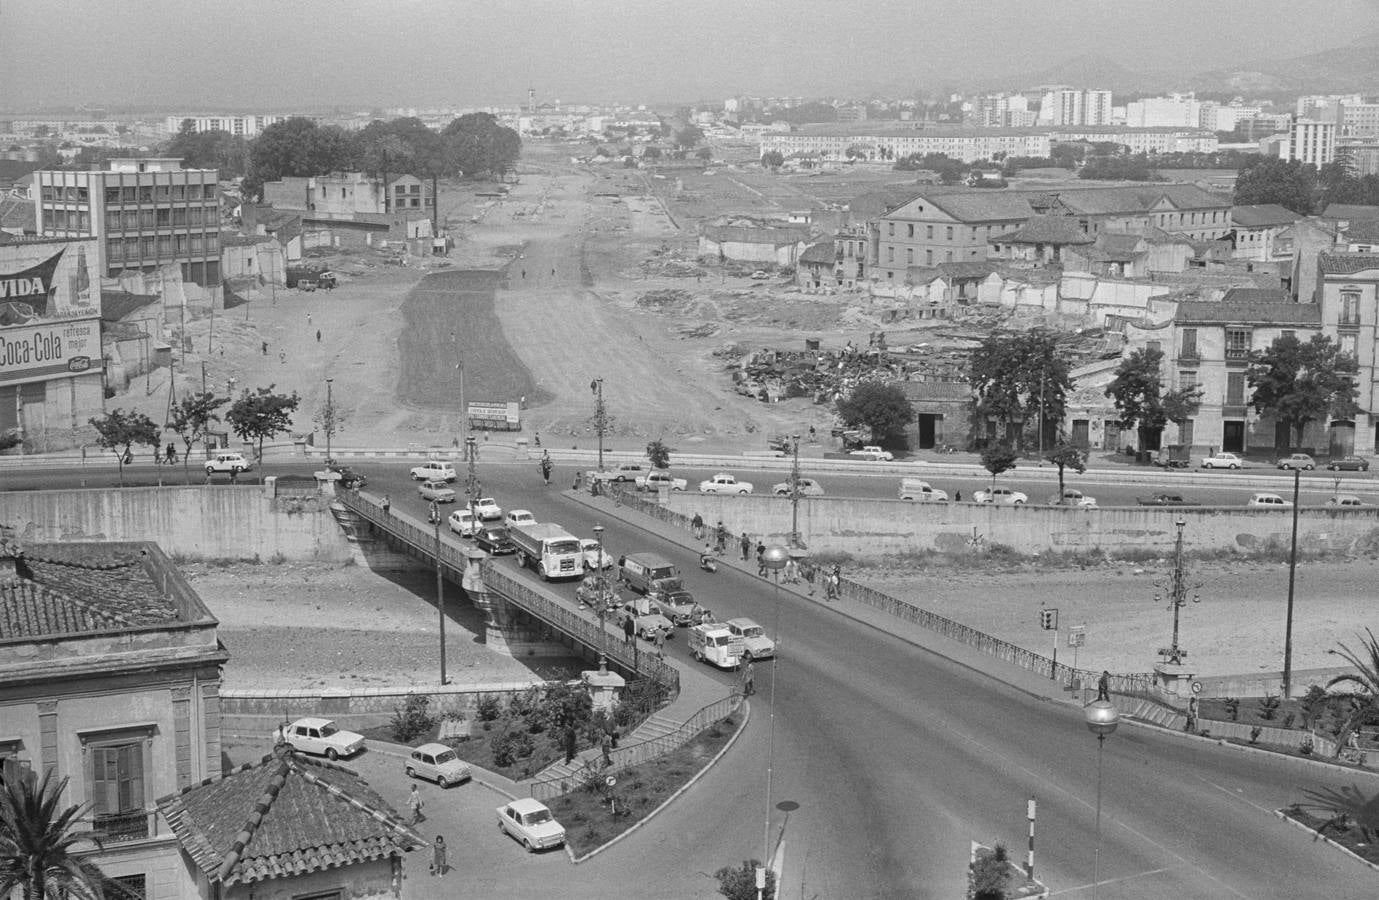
1067	456
480	144
221	150
688	137
855	151
998	458
330	420
1362	696
1018	376
882	407
659	454
1298	382
190	419
118	431
262	414
39	842
741	883
1266	179
989	875
1119	168
1138	395
772	159
297	147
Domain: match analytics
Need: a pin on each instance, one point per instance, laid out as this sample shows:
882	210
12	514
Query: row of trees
1302	187
255	416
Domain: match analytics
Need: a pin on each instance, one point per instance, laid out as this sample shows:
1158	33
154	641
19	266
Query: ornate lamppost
1177	591
774	558
1102	718
600	415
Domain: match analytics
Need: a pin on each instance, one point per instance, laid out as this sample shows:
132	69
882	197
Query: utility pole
600	415
440	582
1292	576
795	493
464	410
472	482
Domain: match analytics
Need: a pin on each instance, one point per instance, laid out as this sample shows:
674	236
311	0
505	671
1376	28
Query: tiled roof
1045	230
873	204
1249	312
822	252
11	170
982	205
1364	231
972	269
1262	215
80	588
281	817
235	239
115	305
1255	295
1350	211
1346	263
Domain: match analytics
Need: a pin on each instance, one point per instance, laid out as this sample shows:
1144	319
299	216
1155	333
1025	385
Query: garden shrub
1268	706
1233	708
412	719
490	708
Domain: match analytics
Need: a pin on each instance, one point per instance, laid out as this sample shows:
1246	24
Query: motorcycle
707	563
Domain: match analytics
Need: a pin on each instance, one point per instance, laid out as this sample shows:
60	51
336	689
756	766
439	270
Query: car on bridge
595	557
595	587
676	605
519	517
464	523
487	509
1000	494
434	470
1348	464
1298	461
1223	460
646	621
437	491
723	483
494	540
808	488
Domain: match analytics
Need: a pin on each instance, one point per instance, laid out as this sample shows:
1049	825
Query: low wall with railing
636	754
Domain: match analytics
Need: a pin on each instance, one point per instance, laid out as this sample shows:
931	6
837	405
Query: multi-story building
1254	229
342	195
1360	119
145	213
1143	140
1074	106
966	144
244	126
1348	299
1310	141
1176	111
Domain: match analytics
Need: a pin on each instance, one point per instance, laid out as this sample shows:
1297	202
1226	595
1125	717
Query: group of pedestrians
439	866
794	571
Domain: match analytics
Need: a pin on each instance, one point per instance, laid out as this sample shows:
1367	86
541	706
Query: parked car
1163	499
1348	464
519	517
434	470
487	509
437	491
1072	497
723	483
1344	500
660	478
495	541
319	736
808	488
530	822
1298	461
1269	501
595	557
438	763
228	462
1222	461
873	453
1000	494
464	523
624	472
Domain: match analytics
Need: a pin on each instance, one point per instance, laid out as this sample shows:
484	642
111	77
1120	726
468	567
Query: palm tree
38	840
1363	695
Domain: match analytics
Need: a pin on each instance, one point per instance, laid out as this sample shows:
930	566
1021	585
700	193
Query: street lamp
600	415
1177	597
602	608
330	419
440	582
773	558
1102	718
795	492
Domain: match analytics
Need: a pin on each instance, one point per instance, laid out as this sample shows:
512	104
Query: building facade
966	144
342	195
1310	141
145	213
243	126
1348	298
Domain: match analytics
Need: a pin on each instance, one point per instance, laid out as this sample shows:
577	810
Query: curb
1318	836
1327	765
747	717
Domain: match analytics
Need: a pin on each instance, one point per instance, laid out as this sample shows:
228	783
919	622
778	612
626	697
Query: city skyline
428	52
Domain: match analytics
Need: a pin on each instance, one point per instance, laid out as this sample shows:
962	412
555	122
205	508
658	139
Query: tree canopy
1299	382
772	159
43	848
221	150
262	414
689	136
1268	179
1015	376
882	407
296	147
1067	456
118	431
1143	404
190	418
479	144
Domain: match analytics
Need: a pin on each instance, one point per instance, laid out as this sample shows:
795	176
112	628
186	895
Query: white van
919	489
715	643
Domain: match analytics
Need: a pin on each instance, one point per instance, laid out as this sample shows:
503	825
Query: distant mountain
1354	67
1092	72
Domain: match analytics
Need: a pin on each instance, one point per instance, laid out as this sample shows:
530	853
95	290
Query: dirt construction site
581	272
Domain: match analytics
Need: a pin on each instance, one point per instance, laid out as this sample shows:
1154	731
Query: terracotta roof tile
1350	211
1045	230
1346	263
1249	312
75	589
1262	215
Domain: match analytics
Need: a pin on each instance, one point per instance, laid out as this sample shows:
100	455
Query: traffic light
1048	619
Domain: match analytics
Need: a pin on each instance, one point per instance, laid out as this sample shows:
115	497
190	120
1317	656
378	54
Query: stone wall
246	711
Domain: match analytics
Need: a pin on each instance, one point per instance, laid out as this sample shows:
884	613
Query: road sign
610	781
1077	636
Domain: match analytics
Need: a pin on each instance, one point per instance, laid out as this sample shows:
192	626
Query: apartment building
1143	140
966	144
1310	141
145	212
1075	106
1348	300
244	126
1176	111
343	195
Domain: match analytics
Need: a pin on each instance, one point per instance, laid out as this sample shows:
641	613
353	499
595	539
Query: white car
808	488
438	763
487	509
755	643
464	523
624	472
1223	461
595	557
438	491
659	478
434	470
873	453
319	736
1072	497
227	462
1269	501
723	483
531	822
921	490
1000	494
519	517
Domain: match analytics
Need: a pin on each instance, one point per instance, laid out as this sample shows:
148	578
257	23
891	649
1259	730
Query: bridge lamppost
330	418
1102	718
472	484
600	415
1177	590
795	492
602	608
774	559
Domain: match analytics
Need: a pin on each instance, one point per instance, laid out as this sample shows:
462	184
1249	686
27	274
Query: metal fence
636	754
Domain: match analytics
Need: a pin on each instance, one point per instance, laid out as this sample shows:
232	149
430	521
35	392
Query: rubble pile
821	375
664	298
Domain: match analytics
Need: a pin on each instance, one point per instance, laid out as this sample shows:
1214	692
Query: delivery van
644	572
715	643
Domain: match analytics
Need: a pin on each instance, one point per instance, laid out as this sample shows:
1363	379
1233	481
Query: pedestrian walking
414	805
546	466
746	545
761	558
606	748
722	537
538	439
308	319
697	527
387	503
629	631
265	348
1191	725
282	357
579	479
318	335
749	679
809	575
438	863
660	642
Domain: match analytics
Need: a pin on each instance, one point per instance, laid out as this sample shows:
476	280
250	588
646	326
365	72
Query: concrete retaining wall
195	522
245	711
869	527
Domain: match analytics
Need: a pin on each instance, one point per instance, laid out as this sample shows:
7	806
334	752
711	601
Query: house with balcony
1348	301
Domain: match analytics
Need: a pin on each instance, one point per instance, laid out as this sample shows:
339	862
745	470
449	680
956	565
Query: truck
716	644
549	549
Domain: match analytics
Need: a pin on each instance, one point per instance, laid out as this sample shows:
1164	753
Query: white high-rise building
1310	141
1073	106
1177	111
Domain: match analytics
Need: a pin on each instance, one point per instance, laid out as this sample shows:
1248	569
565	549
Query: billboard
494	415
42	350
47	281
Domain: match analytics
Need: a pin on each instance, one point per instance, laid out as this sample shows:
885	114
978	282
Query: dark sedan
495	541
1349	464
1164	499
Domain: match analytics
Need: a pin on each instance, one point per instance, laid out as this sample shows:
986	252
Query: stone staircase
1148	711
654	727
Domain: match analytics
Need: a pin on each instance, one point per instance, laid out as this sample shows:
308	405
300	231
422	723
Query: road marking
1105	881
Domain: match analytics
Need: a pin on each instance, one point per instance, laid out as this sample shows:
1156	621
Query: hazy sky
285	53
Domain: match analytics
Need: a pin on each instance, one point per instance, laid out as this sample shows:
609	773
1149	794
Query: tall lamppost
330	419
600	415
472	483
602	608
440	582
464	410
1177	597
1102	718
774	558
795	492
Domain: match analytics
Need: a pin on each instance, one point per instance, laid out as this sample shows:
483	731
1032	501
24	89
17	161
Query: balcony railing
1237	354
133	825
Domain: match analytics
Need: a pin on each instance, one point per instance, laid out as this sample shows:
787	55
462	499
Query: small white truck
714	642
549	549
